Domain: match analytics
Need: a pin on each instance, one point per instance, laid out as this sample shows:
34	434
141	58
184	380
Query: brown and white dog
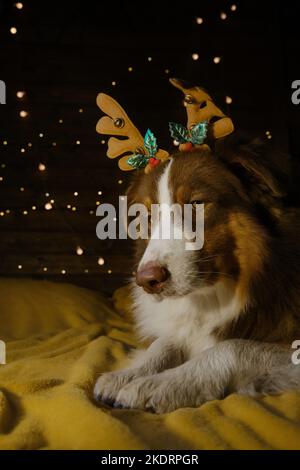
221	319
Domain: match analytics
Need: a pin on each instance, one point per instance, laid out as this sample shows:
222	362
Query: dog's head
242	197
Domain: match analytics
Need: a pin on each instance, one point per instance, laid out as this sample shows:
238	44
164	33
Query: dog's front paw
157	393
109	384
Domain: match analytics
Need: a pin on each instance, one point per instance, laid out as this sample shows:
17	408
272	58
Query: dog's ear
260	171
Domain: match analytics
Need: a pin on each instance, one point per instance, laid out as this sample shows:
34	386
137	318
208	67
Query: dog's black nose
152	277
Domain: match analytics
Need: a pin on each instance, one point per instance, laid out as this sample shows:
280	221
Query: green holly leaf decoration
138	161
199	133
150	143
179	132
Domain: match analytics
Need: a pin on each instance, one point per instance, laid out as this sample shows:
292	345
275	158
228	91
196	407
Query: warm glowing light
22	150
109	271
54	144
149	59
195	56
22	189
33	208
103	141
20	94
69	206
86	271
175	142
25	212
20	266
79	251
23	113
1	178
1	214
4	142
113	83
217	60
199	20
91	212
19	5
77	142
233	8
29	144
130	69
228	100
42	167
97	203
41	135
100	193
48	206
101	261
63	271
60	121
120	181
167	71
45	269
76	193
7	211
74	208
80	110
13	30
52	201
223	16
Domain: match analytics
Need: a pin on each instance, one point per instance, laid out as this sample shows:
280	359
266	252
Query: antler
117	122
200	107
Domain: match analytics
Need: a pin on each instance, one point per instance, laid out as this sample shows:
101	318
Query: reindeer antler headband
204	119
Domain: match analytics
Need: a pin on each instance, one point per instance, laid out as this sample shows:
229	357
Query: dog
221	319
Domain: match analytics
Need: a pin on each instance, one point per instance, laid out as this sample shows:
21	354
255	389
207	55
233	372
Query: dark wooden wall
63	54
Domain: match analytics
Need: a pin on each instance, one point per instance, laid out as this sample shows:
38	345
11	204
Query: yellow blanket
59	338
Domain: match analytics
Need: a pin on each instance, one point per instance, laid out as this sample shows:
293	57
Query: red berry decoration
154	161
186	147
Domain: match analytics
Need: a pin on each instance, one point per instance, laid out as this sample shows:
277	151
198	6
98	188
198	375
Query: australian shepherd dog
221	319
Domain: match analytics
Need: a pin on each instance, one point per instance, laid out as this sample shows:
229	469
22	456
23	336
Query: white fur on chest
189	320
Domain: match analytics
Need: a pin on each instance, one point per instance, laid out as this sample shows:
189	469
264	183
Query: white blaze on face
167	240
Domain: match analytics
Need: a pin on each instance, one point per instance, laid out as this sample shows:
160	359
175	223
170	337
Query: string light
74	209
60	121
80	110
13	30
7	211
20	266
217	60
100	193
22	189
195	56
25	213
223	16
19	5
41	135
33	208
233	8
199	20
97	203
48	206
52	201
2	214
1	178
42	167
23	113
91	212
102	141
20	94
130	69
79	251
4	142
109	271
22	150
149	59
53	144
45	269
120	181
77	142
76	193
101	261
228	100
86	271
113	83
167	71
47	194
63	271
69	206
29	144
